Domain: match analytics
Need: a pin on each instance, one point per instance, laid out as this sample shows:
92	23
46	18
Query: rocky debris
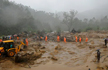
106	66
69	37
35	44
70	52
92	42
100	68
58	47
55	51
39	44
27	57
94	60
42	51
39	61
91	46
54	58
43	47
81	46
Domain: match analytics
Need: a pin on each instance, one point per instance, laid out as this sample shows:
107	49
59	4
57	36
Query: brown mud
60	55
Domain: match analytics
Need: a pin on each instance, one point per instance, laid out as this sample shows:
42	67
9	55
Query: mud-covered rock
58	47
42	51
70	52
55	51
27	57
54	58
43	47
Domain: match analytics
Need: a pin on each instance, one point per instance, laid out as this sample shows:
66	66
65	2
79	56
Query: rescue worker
80	39
10	38
64	39
86	39
58	38
0	40
76	38
46	38
26	42
17	38
98	55
106	42
40	38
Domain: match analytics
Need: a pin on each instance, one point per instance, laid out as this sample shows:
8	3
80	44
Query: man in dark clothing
106	42
98	55
24	41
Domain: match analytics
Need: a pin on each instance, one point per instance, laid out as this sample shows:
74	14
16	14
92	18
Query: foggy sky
62	5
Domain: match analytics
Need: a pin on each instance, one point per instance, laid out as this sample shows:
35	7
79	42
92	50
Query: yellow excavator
8	48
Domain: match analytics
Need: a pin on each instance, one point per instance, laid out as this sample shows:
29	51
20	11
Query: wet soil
70	55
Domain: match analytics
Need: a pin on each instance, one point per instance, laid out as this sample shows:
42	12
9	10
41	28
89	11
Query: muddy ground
60	55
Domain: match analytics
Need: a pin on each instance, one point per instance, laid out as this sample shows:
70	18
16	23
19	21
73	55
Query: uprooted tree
69	18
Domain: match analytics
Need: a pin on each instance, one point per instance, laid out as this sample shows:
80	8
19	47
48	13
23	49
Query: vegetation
16	18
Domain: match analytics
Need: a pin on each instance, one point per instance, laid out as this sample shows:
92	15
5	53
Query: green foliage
16	18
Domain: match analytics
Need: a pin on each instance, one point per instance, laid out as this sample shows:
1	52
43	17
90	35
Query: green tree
69	18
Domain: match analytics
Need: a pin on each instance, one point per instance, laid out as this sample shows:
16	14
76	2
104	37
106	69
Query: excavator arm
19	47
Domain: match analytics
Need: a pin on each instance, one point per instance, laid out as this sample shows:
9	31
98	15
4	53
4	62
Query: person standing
58	38
106	41
80	39
86	40
46	38
76	38
98	55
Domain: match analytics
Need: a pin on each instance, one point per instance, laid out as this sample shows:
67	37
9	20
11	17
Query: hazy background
63	5
52	15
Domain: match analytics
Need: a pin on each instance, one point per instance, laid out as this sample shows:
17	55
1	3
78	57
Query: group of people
80	39
77	39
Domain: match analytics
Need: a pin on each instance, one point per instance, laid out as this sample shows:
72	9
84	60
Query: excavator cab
5	46
8	48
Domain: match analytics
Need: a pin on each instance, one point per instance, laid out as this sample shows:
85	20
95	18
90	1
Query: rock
42	47
51	53
81	46
54	58
31	63
91	47
92	42
39	61
55	51
58	47
100	68
86	66
106	66
42	51
70	52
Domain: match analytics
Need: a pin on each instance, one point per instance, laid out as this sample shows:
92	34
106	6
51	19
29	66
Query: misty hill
97	13
16	17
